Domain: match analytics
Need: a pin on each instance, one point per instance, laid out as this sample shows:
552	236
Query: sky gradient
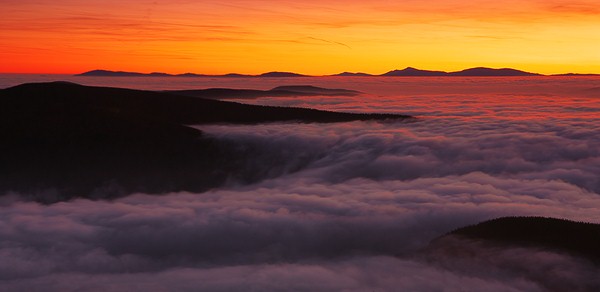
310	36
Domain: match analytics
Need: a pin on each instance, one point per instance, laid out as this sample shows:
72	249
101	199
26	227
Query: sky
309	36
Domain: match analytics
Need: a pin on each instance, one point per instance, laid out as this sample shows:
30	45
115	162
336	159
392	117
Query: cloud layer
345	206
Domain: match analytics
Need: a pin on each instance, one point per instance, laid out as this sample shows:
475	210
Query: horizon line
305	75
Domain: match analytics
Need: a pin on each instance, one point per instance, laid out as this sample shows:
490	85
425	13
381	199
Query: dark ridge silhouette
62	140
482	71
189	75
107	73
353	74
159	74
409	71
165	106
576	74
474	72
316	90
234	75
111	73
577	238
281	74
281	91
227	93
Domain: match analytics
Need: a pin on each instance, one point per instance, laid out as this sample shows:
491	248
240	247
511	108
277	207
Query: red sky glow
310	36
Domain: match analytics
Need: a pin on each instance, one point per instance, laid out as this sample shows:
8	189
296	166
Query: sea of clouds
341	206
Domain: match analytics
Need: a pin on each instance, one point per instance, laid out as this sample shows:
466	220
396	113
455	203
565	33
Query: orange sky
309	36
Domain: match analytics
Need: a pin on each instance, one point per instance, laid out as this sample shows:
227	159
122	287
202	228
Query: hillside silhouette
577	238
63	140
280	91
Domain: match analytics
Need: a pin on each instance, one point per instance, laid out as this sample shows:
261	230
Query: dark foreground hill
280	91
57	97
552	254
576	238
62	140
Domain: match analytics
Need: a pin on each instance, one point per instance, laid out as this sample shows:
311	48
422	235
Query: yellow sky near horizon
311	36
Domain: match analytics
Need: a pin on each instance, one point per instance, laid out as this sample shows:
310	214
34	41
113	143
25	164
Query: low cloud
348	206
295	227
357	274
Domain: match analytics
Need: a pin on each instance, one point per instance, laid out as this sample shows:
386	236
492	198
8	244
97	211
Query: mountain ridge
279	91
406	72
62	140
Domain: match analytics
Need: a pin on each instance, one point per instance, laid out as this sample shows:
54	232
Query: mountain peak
108	73
484	71
280	74
410	71
361	74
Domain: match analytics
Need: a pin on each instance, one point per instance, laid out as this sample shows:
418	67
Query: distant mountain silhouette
482	71
111	73
233	75
296	90
107	73
577	238
159	74
576	74
352	74
308	89
475	72
227	93
409	71
187	75
406	72
62	140
281	74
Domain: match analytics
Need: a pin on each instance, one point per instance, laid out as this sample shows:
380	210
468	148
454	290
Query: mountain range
108	73
406	72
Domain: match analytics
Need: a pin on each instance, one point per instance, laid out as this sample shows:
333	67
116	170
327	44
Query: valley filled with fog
339	206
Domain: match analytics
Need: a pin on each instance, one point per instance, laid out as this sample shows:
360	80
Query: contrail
331	42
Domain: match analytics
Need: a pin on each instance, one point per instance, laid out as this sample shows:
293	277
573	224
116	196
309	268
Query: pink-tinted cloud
342	206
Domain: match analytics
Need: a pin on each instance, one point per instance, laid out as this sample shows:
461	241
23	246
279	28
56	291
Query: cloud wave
347	206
